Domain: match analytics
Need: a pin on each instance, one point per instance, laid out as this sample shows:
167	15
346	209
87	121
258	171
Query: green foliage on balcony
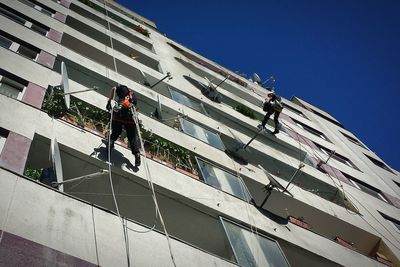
81	112
168	151
248	112
33	173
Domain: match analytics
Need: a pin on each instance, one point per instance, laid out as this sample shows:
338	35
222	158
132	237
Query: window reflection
184	100
223	180
202	134
252	249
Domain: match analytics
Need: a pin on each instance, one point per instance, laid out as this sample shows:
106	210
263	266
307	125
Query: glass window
12	16
298	112
223	180
23	19
369	190
10	88
3	137
39	6
202	134
39	29
354	140
252	249
311	130
395	222
5	42
379	163
336	156
27	52
184	100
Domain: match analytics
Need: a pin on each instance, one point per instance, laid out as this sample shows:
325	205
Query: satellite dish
210	84
56	161
65	84
238	142
272	180
256	78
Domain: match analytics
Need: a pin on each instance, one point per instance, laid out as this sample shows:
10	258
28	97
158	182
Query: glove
108	106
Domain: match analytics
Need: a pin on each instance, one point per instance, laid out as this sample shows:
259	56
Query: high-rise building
204	195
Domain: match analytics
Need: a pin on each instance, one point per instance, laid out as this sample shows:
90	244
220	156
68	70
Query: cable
151	185
378	222
109	149
3	227
112	185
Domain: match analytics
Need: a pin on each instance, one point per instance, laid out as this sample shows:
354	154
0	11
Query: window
294	110
27	52
18	46
336	156
202	134
252	249
379	163
23	20
11	85
398	184
223	180
184	100
5	42
394	222
11	15
311	130
3	137
370	190
327	118
353	140
39	6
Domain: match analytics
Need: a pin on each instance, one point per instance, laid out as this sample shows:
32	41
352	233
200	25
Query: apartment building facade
311	195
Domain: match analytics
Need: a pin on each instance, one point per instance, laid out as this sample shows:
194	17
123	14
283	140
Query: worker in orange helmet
122	116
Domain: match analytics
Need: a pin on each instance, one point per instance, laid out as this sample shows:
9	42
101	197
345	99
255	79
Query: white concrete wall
59	222
207	198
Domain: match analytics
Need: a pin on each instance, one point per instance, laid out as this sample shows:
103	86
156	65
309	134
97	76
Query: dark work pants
276	116
131	133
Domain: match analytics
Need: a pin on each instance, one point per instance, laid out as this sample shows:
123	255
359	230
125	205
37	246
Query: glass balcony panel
223	180
202	134
251	249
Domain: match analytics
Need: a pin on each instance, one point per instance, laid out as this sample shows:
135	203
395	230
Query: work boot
137	159
275	132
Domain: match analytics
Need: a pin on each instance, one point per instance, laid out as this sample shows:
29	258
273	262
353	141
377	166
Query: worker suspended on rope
122	116
272	105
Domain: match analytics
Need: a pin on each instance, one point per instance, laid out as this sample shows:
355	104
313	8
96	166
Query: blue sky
340	55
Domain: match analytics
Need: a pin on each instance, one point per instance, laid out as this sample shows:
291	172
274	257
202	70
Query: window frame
338	157
195	105
353	140
311	130
245	190
24	20
256	235
361	187
3	138
395	223
181	121
379	163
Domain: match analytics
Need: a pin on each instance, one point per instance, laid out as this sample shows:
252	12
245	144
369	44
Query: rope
112	185
3	227
151	186
109	148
